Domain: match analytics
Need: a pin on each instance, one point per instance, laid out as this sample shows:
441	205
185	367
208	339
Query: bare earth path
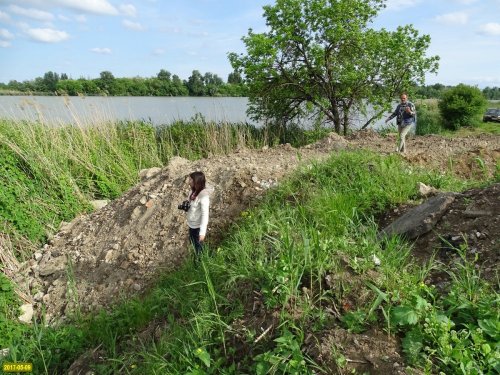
121	247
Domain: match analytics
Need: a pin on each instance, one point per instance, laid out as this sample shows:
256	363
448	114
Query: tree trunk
370	120
336	118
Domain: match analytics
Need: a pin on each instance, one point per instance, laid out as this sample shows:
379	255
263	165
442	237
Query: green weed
272	271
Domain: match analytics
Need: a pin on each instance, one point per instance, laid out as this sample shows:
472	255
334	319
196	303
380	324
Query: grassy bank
429	121
49	174
272	271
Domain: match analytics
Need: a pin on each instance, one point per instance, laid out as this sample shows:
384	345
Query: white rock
425	190
38	256
38	296
109	256
4	352
136	213
27	313
376	260
99	203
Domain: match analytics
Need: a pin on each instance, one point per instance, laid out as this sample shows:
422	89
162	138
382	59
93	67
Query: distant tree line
164	84
437	91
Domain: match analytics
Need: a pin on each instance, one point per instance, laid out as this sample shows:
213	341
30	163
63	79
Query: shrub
461	106
428	120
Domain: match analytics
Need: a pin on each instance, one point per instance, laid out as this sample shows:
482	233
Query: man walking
405	117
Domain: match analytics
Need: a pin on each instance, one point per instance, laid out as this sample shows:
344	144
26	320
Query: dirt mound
120	248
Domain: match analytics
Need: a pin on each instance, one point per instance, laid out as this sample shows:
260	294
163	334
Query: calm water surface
89	110
57	110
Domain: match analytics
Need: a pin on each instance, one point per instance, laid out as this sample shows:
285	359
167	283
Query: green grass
275	259
429	121
274	263
51	173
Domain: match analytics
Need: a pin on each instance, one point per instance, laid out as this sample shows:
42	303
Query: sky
133	38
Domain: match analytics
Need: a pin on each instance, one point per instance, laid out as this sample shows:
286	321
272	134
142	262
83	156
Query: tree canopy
320	58
163	84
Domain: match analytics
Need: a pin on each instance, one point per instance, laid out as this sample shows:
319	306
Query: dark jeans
194	236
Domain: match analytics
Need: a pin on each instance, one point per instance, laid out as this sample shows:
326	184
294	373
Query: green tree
90	86
164	75
50	80
320	58
461	105
492	93
235	78
213	83
178	87
15	85
70	87
106	81
195	84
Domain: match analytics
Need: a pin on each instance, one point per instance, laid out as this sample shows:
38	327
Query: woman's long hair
198	183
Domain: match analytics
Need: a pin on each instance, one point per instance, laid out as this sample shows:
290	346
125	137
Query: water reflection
88	110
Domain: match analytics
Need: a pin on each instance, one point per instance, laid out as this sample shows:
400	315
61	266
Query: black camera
184	205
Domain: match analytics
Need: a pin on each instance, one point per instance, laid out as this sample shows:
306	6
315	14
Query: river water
89	110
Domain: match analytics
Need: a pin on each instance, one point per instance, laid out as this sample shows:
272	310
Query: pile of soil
121	248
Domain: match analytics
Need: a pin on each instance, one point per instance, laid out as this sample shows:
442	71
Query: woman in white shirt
198	212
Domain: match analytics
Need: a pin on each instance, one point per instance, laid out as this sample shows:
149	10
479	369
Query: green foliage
26	193
10	329
459	331
461	106
272	266
428	119
164	84
491	93
355	321
199	139
434	91
320	58
285	358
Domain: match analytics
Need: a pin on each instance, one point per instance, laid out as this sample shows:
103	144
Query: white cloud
132	25
102	51
455	18
89	6
491	28
170	29
4	16
81	18
6	34
33	13
4	44
128	10
63	18
466	2
158	51
47	35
